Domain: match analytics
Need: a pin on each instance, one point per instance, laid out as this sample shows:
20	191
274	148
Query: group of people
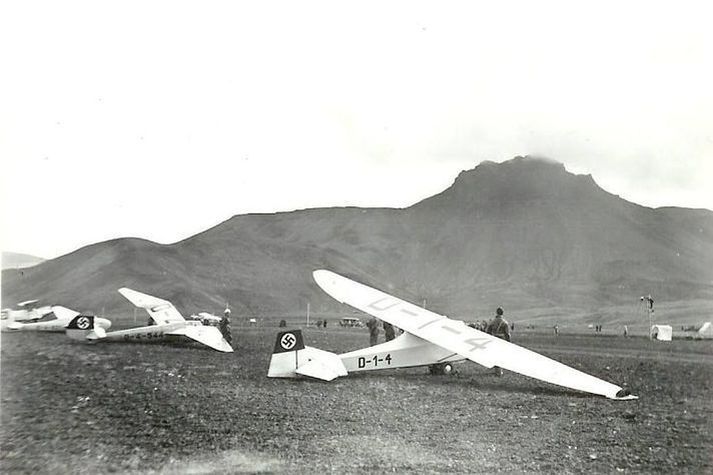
373	326
498	327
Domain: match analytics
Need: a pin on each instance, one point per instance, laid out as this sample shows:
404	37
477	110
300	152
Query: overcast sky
161	119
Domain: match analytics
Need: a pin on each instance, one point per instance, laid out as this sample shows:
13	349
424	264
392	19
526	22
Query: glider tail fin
285	355
291	358
82	328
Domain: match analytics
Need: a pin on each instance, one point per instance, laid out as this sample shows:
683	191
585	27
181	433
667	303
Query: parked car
350	322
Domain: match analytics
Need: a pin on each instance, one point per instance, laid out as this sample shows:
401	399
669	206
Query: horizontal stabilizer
317	369
64	313
322	365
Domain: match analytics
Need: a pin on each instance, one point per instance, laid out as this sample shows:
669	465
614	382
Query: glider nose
103	323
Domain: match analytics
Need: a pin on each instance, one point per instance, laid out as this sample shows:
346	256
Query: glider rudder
283	362
82	328
79	327
291	359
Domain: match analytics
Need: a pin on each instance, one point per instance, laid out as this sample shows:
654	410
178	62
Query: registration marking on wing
452	330
478	343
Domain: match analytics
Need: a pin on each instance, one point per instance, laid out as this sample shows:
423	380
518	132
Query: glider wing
209	336
162	311
64	313
457	337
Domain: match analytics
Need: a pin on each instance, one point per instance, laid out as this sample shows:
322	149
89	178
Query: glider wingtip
322	276
631	397
624	395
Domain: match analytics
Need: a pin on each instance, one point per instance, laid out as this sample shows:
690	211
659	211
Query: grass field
115	407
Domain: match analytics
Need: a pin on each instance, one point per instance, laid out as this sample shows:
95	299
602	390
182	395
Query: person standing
389	333
500	328
373	325
224	327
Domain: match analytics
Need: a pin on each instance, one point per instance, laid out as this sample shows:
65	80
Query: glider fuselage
405	351
148	333
56	325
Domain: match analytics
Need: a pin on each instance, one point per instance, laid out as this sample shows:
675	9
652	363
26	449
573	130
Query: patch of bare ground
158	408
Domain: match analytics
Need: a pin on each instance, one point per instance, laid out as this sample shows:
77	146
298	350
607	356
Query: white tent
706	331
661	332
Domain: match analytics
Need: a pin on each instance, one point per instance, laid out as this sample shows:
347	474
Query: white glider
27	312
206	318
168	323
429	339
55	321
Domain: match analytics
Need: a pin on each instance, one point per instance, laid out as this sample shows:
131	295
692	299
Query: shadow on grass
480	381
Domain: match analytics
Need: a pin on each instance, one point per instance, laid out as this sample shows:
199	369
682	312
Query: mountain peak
518	165
515	181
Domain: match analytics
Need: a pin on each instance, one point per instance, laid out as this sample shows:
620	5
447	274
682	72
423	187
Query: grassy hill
525	234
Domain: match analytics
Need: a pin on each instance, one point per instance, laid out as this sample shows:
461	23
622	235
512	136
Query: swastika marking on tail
288	341
83	323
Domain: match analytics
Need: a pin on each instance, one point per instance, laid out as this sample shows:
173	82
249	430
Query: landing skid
441	369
